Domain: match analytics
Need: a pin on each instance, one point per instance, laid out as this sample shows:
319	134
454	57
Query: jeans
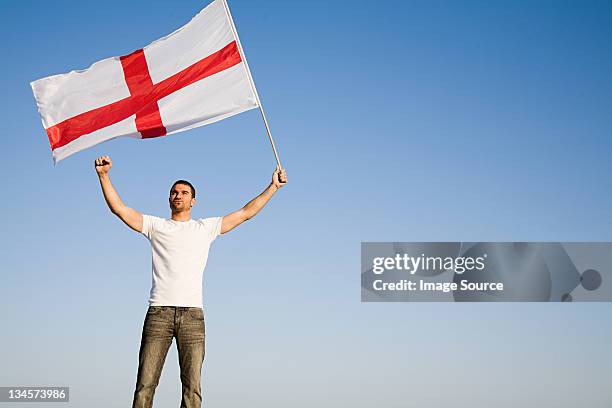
161	324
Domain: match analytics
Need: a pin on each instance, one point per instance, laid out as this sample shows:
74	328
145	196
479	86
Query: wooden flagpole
248	71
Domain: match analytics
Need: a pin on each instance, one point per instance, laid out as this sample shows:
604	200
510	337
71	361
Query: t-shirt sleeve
149	224
212	226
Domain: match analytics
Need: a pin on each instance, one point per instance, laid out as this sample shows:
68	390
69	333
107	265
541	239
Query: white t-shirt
180	252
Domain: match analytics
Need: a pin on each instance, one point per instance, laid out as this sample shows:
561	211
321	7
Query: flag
195	76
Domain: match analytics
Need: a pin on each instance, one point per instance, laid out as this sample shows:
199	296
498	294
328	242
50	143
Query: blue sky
404	121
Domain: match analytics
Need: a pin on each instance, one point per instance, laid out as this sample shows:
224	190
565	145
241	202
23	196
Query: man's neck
181	216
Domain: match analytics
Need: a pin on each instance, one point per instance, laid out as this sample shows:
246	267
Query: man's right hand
103	164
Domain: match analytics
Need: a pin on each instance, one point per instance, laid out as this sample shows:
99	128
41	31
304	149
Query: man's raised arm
231	221
129	216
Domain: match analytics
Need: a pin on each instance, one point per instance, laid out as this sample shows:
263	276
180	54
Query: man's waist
164	307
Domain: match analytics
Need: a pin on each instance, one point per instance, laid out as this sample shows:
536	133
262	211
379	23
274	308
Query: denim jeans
161	325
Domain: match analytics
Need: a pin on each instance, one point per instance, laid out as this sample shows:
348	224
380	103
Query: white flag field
195	76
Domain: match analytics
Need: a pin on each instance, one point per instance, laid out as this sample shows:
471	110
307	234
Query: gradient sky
405	121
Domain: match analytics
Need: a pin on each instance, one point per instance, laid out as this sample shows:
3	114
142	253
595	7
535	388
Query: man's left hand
279	178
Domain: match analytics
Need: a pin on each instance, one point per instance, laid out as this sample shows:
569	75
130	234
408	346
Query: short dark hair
185	182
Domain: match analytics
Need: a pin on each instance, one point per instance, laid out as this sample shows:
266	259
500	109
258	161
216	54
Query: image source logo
485	271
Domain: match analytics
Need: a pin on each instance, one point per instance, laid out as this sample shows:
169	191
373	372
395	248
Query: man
180	250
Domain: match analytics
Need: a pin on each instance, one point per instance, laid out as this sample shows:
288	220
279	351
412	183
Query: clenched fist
279	178
103	164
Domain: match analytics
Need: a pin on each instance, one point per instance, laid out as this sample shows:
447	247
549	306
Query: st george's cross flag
195	76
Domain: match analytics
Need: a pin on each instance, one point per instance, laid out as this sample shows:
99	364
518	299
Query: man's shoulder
208	221
153	219
212	226
150	224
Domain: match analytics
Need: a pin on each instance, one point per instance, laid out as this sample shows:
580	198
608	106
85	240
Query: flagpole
252	83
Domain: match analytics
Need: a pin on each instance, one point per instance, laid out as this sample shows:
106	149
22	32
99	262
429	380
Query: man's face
181	198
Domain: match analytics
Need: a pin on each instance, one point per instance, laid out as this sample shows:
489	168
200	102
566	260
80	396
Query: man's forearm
256	204
110	194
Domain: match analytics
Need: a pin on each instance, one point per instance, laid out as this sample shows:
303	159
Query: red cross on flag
195	76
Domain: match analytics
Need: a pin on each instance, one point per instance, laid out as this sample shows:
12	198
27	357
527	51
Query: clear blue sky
404	121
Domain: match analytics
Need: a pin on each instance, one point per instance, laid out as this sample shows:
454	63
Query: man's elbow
119	211
247	215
